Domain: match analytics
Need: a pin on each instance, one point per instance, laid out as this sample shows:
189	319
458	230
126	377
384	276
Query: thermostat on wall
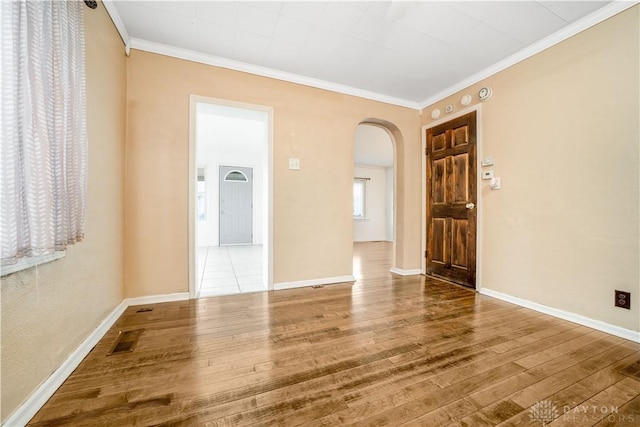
484	93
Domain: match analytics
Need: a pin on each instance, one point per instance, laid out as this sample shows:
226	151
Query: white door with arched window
236	205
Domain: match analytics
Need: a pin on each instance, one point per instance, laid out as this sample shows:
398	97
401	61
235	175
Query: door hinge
425	254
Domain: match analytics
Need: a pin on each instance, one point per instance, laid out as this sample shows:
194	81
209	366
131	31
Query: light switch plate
294	164
487	161
487	174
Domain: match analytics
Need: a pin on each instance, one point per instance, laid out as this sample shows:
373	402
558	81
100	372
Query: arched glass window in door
236	176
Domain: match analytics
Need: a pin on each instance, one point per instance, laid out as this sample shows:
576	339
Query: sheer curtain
43	127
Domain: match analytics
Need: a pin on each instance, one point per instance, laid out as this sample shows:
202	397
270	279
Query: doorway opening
373	196
230	236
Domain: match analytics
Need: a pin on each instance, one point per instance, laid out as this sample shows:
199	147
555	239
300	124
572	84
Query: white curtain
43	127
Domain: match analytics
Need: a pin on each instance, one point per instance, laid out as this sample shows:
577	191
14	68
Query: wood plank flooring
386	350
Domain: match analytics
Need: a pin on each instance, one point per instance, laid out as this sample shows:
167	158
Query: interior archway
397	212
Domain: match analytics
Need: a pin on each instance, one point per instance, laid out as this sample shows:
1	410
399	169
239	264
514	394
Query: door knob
470	205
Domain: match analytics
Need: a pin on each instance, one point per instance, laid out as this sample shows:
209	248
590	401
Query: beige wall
563	127
48	313
312	207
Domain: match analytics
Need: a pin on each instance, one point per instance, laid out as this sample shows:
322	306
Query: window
236	176
43	160
359	193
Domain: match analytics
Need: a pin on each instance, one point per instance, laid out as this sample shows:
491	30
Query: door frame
267	252
479	206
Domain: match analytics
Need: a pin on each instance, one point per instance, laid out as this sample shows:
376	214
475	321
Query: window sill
28	262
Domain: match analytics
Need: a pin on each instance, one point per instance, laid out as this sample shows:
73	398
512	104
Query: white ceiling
372	146
411	50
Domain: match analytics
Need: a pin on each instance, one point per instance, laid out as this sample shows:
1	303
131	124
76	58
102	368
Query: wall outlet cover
623	299
487	174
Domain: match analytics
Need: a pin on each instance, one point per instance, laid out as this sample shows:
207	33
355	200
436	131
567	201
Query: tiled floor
226	270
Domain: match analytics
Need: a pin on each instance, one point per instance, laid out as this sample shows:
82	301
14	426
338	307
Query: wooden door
451	200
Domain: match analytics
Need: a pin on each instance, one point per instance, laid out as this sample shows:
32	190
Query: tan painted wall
563	127
48	313
312	207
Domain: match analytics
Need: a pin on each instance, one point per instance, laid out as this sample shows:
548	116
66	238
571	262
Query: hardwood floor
386	350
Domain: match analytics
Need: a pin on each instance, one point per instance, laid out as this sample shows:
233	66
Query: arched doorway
377	241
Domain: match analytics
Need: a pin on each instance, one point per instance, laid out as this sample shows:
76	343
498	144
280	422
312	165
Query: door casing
268	217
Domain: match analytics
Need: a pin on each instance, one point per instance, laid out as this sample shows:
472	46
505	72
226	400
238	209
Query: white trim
423	201
588	21
23	414
156	299
571	30
313	282
267	225
571	317
244	67
479	204
402	272
192	223
119	23
29	262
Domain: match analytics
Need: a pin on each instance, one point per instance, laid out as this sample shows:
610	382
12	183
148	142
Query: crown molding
588	21
119	24
571	30
258	70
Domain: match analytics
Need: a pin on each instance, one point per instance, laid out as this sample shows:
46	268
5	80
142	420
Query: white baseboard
571	317
39	397
402	272
313	282
23	414
155	299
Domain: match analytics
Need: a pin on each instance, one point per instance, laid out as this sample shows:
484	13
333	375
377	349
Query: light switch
487	161
487	174
294	164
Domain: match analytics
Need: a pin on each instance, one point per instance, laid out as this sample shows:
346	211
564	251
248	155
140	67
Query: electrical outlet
623	299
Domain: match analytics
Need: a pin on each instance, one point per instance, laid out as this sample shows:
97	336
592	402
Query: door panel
439	233
459	244
460	178
236	205
439	142
460	135
439	181
451	200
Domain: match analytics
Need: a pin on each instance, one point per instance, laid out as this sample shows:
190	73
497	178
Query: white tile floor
226	270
